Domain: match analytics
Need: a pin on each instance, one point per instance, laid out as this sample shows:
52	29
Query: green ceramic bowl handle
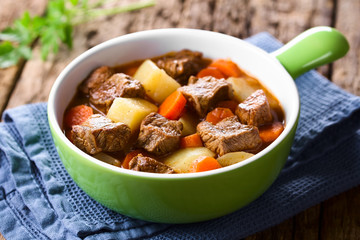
313	48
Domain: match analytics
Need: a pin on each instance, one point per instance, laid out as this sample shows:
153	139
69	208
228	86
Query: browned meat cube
97	77
203	93
99	133
182	65
255	109
147	164
159	135
118	85
228	135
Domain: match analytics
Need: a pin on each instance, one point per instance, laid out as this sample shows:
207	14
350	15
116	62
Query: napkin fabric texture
39	200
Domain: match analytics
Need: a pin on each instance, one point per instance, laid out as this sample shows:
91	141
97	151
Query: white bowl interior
153	43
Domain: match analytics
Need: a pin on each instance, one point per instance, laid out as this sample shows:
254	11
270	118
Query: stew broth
130	69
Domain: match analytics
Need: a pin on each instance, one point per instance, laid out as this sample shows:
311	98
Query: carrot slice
231	104
218	114
269	133
192	140
130	156
172	107
210	71
227	67
77	115
204	163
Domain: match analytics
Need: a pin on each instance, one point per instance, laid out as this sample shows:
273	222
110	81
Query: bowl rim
56	129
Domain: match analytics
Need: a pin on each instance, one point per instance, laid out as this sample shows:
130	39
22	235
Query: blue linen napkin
39	200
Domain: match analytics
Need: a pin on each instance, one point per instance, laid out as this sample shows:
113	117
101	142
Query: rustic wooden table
29	82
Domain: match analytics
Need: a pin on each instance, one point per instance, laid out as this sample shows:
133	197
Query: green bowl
192	197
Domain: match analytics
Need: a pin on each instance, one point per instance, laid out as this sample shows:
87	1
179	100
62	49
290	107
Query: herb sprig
54	28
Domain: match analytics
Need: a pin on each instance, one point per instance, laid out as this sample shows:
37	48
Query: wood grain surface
29	82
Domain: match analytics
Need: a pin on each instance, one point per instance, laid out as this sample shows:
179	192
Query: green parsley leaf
74	2
9	34
10	55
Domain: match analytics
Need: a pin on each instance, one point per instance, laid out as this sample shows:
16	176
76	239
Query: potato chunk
233	157
243	87
189	124
246	85
181	160
108	159
158	85
130	111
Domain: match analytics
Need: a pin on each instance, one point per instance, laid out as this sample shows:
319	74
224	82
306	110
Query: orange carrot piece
210	71
218	114
129	157
172	107
231	104
77	115
204	163
227	67
269	133
192	140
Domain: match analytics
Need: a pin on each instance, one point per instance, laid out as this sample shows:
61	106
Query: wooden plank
341	216
286	19
9	11
306	224
282	231
231	17
7	81
346	71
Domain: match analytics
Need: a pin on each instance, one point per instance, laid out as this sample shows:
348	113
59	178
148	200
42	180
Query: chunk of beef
182	64
159	135
118	85
148	164
99	133
203	93
255	109
96	78
228	135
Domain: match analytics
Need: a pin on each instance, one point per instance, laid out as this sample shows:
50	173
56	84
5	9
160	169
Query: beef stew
143	110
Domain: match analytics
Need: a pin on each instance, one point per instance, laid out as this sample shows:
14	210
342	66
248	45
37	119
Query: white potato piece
233	157
130	111
181	160
107	158
244	86
189	124
158	85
